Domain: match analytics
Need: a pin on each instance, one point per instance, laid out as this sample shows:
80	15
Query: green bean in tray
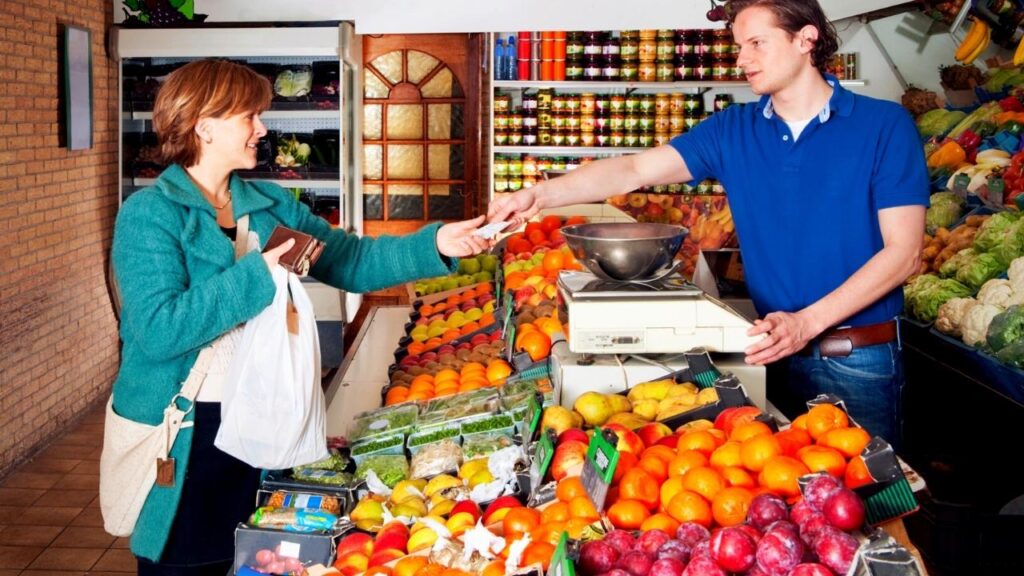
497	422
318	476
383	421
376	445
435	436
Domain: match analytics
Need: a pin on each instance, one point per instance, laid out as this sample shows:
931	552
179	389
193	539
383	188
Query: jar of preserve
558	163
500	138
690	121
515	184
611	47
502	103
676	124
629	49
557	104
647	48
529	166
573	45
602	123
515	138
647	34
602	104
737	73
529	138
646	104
676	103
675	188
702	70
529	103
544	96
602	139
593	43
631	139
572	138
574	69
661	138
587	139
645	123
572	103
661	101
721	44
617	121
629	34
618	104
515	120
684	44
544	119
617	138
722	101
632	103
500	183
664	72
587	102
592	68
646	72
631	123
572	121
544	137
645	140
515	166
611	69
704	41
665	46
558	121
683	71
693	104
629	71
587	122
558	138
543	164
661	123
721	72
500	166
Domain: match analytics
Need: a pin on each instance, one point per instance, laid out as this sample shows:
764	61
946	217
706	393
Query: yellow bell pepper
948	155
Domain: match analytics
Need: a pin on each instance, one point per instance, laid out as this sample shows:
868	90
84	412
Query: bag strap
242	237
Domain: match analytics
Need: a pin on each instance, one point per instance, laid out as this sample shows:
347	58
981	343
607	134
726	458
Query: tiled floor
50	521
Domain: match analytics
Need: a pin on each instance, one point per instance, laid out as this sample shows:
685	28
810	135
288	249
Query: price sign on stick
599	467
561	564
541	460
533	417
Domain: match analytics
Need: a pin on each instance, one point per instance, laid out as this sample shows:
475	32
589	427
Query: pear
557	418
367	510
619	403
707	396
630	420
594	407
646	409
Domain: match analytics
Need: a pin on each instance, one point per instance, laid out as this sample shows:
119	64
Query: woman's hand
518	207
456	240
272	256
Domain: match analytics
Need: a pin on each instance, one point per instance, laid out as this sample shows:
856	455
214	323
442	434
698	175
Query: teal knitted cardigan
182	288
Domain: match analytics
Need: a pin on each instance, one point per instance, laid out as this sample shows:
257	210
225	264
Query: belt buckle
835	347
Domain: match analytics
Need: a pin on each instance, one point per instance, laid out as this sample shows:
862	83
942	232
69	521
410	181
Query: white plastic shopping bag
272	409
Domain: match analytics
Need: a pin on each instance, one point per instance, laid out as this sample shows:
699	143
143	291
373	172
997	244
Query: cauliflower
975	323
952	314
1016	272
996	292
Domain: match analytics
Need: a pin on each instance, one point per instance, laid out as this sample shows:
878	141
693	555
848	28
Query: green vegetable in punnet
292	153
435	436
1006	328
377	445
389	468
488	424
319	476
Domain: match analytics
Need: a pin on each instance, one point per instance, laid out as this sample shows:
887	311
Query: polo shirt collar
841	102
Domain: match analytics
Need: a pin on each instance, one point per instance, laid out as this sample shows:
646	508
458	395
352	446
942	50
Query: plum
811	526
751	531
702	548
779	551
783	526
835	549
649	542
810	569
819	489
733	549
800	511
755	571
615	572
765	509
636	563
597	556
667	567
844	510
620	540
674	549
691	533
703	565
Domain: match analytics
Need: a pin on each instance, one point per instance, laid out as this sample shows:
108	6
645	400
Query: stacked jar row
513	172
631	120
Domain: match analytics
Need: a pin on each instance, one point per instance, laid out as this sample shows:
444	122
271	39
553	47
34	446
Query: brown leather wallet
840	342
302	256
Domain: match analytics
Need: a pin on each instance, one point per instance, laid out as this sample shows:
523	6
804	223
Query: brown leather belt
840	342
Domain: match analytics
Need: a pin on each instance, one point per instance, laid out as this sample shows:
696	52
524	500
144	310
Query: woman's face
232	140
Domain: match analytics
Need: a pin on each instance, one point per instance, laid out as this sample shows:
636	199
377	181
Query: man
828	191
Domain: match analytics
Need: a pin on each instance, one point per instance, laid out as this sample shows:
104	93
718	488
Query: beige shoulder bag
135	455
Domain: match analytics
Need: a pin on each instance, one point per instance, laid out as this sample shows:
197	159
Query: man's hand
272	256
515	208
456	240
785	334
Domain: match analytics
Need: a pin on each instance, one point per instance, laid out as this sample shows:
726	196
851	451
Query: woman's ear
202	129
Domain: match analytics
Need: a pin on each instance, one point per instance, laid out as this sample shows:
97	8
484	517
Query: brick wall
58	335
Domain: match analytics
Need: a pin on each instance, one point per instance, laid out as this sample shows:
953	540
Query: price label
599	467
996	188
960	182
533	416
510	338
561	564
542	459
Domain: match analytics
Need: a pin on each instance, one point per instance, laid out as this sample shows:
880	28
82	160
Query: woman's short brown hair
792	15
204	88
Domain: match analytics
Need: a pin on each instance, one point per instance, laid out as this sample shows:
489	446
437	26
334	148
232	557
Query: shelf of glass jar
570	150
697	86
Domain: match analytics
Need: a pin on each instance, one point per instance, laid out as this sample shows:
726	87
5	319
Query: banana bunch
976	41
1018	54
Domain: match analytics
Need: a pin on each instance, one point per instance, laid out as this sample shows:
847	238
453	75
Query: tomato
549	223
520	521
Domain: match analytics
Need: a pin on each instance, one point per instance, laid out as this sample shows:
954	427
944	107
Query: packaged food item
390	468
427	436
390	444
294	81
282	499
292	519
484	444
437	458
383	421
492	424
321	476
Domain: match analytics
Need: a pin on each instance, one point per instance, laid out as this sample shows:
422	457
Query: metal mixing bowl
625	250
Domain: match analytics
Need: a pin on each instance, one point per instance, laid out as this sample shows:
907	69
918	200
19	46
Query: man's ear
808	36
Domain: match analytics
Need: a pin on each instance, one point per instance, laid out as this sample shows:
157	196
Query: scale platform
660	316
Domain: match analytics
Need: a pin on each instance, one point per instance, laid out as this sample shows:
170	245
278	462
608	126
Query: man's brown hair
204	88
792	15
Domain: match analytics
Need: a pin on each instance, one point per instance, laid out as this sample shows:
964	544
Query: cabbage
938	121
991	233
926	293
943	211
978	270
1011	245
949	267
1006	328
293	83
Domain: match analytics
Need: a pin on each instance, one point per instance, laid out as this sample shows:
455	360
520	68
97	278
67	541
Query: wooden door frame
440	46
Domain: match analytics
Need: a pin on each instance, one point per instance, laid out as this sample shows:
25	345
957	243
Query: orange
849	441
524	328
823	459
758	450
470	367
536	344
454	572
700	440
780	475
469	327
445	374
738	476
409	565
519	521
378	571
426	310
396	395
426	378
857	473
626	461
548	325
556	512
415	348
669	488
549	533
639	485
494	568
800	422
574	220
515	280
748	430
628	514
538	553
686	460
430	569
484	288
553	260
570	487
656	467
575	527
689	506
727	454
486	319
582	507
729	507
825	417
793	439
659	451
704	480
497	371
660	521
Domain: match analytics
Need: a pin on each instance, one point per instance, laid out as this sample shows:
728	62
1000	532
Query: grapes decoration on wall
160	13
719	11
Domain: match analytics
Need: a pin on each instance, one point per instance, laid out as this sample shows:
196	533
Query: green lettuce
925	294
1006	328
943	210
979	270
991	233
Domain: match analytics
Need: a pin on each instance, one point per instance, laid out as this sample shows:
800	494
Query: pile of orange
446	381
533	341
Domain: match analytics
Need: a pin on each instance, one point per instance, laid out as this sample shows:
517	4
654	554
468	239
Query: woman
182	289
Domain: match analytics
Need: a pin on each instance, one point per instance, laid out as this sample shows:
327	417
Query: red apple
358	542
466	506
628	440
382	557
652	432
670	441
568	459
501	503
478	339
573	434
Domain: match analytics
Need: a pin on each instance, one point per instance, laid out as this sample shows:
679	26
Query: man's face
770	56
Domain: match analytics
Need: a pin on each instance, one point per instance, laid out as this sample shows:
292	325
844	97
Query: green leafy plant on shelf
160	13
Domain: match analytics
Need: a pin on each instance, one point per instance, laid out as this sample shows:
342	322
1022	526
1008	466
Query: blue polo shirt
806	212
